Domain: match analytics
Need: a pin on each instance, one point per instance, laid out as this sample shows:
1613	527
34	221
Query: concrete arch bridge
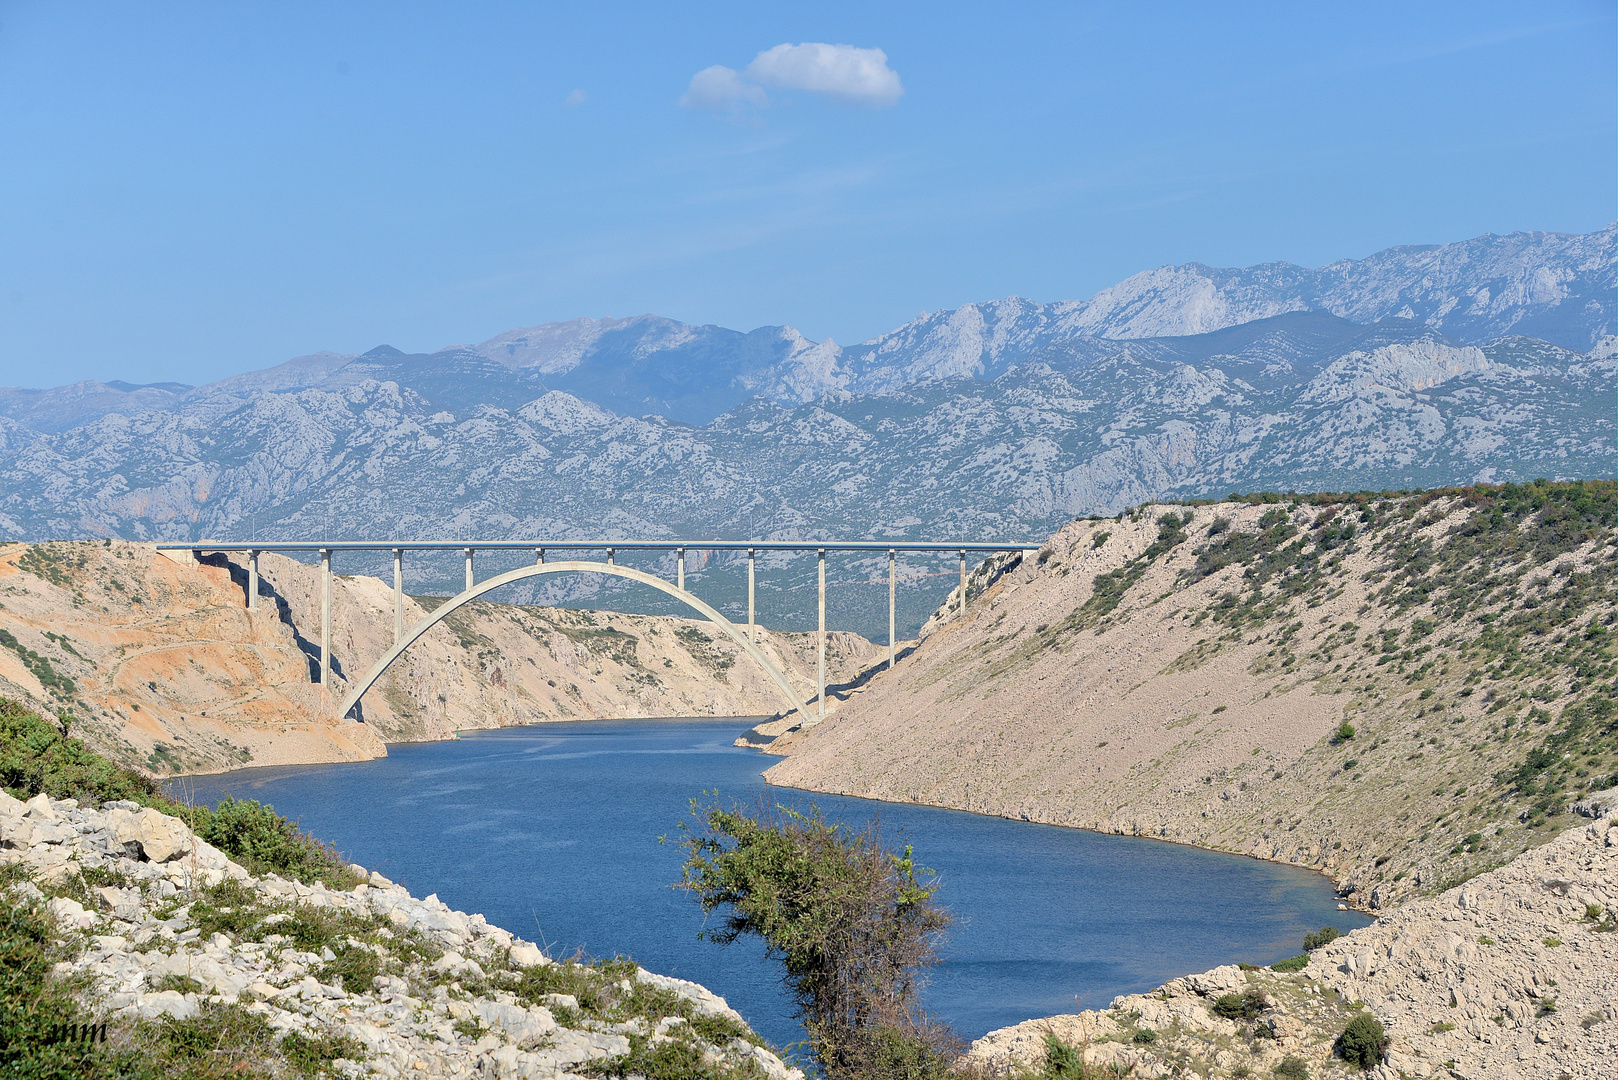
747	641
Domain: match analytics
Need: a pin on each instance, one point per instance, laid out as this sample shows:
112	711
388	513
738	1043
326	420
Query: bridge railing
470	548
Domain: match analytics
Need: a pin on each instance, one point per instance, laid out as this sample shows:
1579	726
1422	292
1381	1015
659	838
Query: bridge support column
398	594
539	556
752	622
820	651
252	581
325	616
611	560
679	573
891	582
963	582
470	580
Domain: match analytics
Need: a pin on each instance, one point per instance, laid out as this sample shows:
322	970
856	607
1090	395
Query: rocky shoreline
1508	976
162	928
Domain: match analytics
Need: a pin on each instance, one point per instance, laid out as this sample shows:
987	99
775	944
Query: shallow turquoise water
552	832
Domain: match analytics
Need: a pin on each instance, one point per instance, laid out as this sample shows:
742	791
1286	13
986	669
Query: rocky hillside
198	968
1508	977
162	667
1400	691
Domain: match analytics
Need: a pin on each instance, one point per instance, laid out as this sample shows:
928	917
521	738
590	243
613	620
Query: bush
34	1004
1325	936
1144	1036
850	922
1244	1006
1344	732
1066	1062
1293	1068
1294	963
36	756
265	842
1362	1041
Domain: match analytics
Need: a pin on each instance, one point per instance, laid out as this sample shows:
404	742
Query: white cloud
720	87
575	97
843	73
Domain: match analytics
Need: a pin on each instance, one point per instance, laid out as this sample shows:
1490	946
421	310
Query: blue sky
189	191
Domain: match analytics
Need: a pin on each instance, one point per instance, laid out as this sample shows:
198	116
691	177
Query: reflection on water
553	832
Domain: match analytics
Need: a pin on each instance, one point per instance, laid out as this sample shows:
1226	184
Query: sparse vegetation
1292	1067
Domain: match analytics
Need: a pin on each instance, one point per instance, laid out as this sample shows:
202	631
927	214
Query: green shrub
1345	732
36	756
1325	936
310	1055
1244	1006
1293	1068
852	924
1294	963
1362	1041
34	1003
353	969
1144	1036
1066	1062
265	842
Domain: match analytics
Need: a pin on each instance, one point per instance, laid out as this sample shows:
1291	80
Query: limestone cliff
162	666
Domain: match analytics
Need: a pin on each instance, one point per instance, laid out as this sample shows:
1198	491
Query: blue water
553	831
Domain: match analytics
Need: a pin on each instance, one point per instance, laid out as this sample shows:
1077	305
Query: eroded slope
1191	679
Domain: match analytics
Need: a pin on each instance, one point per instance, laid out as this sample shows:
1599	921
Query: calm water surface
552	832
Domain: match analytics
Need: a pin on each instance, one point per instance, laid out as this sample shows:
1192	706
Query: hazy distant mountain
1551	286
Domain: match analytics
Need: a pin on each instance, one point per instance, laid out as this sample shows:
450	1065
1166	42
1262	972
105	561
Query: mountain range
1551	286
1488	360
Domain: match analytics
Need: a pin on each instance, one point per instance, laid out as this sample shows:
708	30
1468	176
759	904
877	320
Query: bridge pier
963	581
398	594
820	645
539	556
470	580
325	616
252	580
752	623
892	582
679	573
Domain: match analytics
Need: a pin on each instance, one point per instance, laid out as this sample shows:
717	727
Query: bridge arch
414	634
